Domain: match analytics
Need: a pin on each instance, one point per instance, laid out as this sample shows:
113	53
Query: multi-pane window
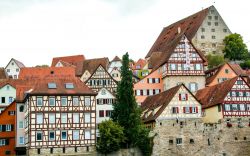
64	118
11	99
20	124
21	140
202	37
39	136
197	66
227	107
51	135
209	17
52	101
39	101
212	30
64	101
213	37
234	107
76	135
178	141
8	127
52	118
87	134
216	17
87	101
64	135
101	113
108	113
216	23
239	82
76	118
208	23
87	117
183	97
39	118
75	101
225	30
193	86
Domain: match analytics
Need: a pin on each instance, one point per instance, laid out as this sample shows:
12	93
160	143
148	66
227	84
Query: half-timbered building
177	103
182	63
228	100
101	79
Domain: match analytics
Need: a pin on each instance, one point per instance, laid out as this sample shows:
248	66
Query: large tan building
206	29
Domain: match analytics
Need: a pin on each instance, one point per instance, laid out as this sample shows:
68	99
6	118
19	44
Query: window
87	101
69	85
234	107
225	30
87	117
52	101
51	150
213	37
173	67
87	134
38	151
227	107
8	127
178	141
39	101
183	97
64	101
226	71
76	118
11	112
219	108
52	118
76	135
75	101
52	85
21	108
3	99
193	86
101	113
2	142
203	45
209	23
20	124
11	99
191	141
242	107
21	140
64	135
51	135
108	113
39	118
216	17
202	29
175	110
239	82
209	17
202	37
8	70
248	107
216	23
64	118
212	30
39	136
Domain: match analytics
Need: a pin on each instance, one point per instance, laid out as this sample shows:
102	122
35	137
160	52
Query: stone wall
125	152
199	139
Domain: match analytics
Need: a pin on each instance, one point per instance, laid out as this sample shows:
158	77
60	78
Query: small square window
209	17
226	71
213	44
202	37
216	17
202	29
225	30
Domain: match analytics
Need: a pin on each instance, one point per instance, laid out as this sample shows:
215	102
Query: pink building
149	85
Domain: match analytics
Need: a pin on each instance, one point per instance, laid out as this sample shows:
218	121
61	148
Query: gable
59	64
104	93
8	87
12	64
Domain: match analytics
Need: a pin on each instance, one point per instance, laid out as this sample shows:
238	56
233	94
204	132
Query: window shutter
159	80
6	141
190	109
3	128
177	109
184	109
196	109
186	97
148	80
12	127
180	97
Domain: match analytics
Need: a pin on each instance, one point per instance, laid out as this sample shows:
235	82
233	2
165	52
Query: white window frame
227	107
52	99
52	118
52	139
64	118
39	132
62	135
76	134
76	118
64	98
87	101
20	123
39	118
8	127
87	134
75	101
21	140
87	118
38	99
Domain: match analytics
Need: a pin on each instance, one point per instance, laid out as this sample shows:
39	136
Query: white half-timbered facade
102	79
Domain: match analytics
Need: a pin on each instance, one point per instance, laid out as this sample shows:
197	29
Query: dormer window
69	85
52	85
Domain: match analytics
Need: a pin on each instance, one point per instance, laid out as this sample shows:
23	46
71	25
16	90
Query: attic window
69	86
52	85
52	72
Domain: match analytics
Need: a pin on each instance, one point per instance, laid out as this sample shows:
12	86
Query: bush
215	60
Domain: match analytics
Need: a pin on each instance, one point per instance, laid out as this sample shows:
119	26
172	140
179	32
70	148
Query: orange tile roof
76	60
141	63
213	95
40	72
188	25
116	58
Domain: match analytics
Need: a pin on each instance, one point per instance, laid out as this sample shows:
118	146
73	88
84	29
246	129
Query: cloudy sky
34	31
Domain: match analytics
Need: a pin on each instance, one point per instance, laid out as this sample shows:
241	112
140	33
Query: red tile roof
141	63
216	94
92	64
188	25
40	73
76	60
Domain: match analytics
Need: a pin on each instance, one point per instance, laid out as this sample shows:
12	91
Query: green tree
214	60
126	112
235	48
111	137
245	64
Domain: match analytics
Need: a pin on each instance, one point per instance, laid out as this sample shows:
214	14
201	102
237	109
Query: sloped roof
169	49
3	74
140	62
19	63
92	64
116	58
40	73
158	101
213	95
188	25
237	69
75	60
154	59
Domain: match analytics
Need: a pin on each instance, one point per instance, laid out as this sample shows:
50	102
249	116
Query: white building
13	68
7	94
115	63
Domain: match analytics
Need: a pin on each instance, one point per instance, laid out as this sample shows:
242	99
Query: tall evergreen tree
126	112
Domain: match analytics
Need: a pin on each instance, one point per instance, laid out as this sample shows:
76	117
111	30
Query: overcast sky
34	31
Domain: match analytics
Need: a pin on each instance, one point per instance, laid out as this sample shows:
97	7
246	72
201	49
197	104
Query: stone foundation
199	139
